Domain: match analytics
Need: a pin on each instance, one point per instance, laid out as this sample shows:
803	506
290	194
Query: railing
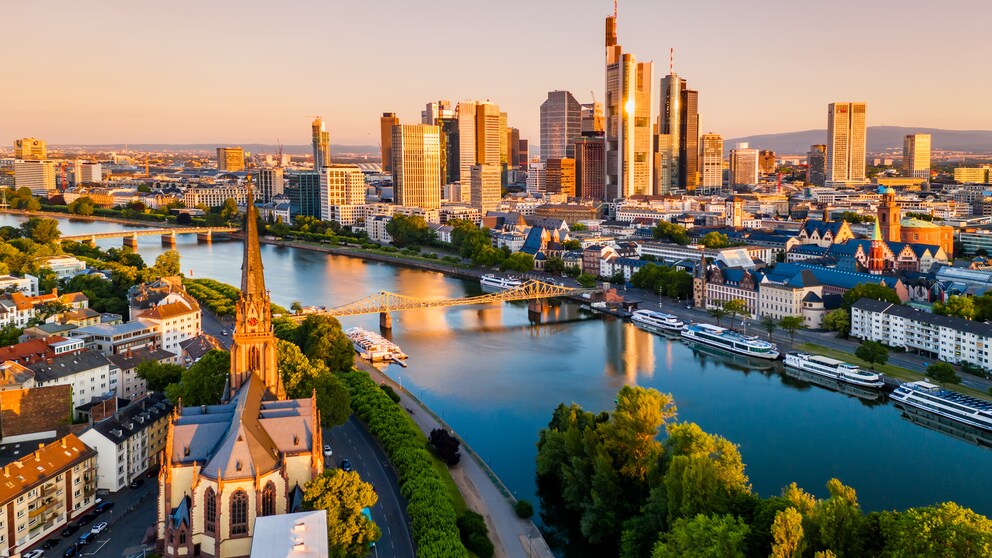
149	232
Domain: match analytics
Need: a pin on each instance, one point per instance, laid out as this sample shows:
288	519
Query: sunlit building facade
711	163
916	156
846	144
561	125
416	156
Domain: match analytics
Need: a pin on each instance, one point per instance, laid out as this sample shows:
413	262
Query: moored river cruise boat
723	338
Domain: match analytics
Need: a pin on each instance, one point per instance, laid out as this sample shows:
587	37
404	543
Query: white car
33	554
99	528
327	451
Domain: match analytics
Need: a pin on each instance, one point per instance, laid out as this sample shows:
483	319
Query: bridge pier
385	320
204	237
131	242
169	239
91	241
536	306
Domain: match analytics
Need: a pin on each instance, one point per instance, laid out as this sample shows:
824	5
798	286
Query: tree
302	377
943	531
736	307
445	446
586	280
202	383
579	227
943	372
792	324
704	473
787	534
158	375
229	210
519	262
475	534
714	239
718	313
770	324
41	230
872	352
959	306
407	229
704	536
167	264
836	523
870	290
671	232
554	265
82	206
572	244
296	307
343	496
321	338
9	335
838	320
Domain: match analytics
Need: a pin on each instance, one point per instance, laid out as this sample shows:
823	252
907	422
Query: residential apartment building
129	385
215	196
271	183
130	441
37	176
945	338
44	490
342	189
711	175
90	374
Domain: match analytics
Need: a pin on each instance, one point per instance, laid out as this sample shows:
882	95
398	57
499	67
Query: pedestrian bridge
168	235
385	302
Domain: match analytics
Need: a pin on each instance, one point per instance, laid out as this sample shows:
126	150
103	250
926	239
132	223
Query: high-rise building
230	159
590	168
487	134
816	165
442	115
513	140
416	164
30	149
321	143
679	118
846	144
535	178
386	123
466	139
766	161
593	121
916	156
629	165
86	172
711	163
37	176
342	190
435	111
271	183
524	153
666	170
561	125
303	191
560	176
743	166
485	187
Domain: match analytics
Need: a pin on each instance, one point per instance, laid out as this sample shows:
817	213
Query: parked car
102	507
327	451
51	543
346	466
136	483
70	529
99	528
69	552
85	539
37	553
87	519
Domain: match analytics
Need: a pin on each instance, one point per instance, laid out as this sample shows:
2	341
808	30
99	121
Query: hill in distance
250	147
880	138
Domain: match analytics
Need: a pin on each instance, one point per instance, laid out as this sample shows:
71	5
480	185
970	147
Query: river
495	377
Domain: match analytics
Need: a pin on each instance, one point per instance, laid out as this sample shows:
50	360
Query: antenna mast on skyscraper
614	9
671	61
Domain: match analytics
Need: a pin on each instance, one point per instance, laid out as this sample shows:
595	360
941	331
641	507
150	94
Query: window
210	511
269	499
239	513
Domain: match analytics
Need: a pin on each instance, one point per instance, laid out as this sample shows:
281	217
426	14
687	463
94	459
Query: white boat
866	394
374	347
834	369
656	322
723	338
946	403
492	280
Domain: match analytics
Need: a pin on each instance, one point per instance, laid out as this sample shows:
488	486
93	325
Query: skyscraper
270	183
416	165
37	176
816	165
513	140
342	190
487	134
466	139
560	176
679	119
561	125
442	115
593	121
766	161
590	168
386	123
321	143
846	144
629	166
743	166
485	187
712	163
230	159
916	156
30	149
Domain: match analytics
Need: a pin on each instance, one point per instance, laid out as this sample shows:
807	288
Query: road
353	442
127	528
212	325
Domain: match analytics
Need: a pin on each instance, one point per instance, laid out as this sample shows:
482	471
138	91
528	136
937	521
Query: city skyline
185	99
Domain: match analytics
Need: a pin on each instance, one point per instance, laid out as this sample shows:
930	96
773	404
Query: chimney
63	441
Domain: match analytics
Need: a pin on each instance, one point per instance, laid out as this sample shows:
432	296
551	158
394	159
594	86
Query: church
248	456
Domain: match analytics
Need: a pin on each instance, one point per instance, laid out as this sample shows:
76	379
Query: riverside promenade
484	493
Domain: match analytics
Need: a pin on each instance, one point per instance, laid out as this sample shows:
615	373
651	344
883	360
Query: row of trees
663	280
609	487
978	308
218	297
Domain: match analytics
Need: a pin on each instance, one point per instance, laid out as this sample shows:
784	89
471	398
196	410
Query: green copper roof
918	224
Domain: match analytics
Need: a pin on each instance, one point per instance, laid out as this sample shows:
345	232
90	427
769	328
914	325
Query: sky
188	71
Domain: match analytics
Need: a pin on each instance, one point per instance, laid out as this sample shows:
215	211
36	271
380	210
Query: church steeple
254	347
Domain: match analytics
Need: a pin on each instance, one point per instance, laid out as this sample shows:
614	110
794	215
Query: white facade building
89	373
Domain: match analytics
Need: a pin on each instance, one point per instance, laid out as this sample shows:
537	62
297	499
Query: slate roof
200	345
67	365
131	359
951	322
829	276
532	245
822	226
132	419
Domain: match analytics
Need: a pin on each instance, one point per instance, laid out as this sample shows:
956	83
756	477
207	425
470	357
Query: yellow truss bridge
385	302
168	235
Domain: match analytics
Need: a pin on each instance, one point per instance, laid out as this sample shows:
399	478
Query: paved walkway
513	537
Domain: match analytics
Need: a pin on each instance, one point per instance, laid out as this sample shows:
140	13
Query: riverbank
483	491
90	218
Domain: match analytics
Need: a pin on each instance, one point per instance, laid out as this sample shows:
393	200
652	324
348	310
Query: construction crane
278	153
147	173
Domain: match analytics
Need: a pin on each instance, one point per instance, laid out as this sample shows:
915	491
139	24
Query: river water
495	377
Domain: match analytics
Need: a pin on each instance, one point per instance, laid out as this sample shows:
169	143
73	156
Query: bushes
432	515
218	297
390	392
475	534
445	446
524	509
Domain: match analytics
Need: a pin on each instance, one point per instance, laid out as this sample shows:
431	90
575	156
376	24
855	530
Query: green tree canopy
872	352
663	280
704	536
303	377
554	265
41	230
158	375
202	383
322	339
407	229
670	232
714	240
343	495
787	534
958	306
519	262
870	290
838	320
943	372
792	324
82	206
943	531
167	264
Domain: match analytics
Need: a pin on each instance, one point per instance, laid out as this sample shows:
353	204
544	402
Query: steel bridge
168	235
385	302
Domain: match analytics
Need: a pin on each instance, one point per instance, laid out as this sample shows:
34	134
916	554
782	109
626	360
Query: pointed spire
252	279
877	233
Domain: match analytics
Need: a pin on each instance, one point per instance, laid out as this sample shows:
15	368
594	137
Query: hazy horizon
191	73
